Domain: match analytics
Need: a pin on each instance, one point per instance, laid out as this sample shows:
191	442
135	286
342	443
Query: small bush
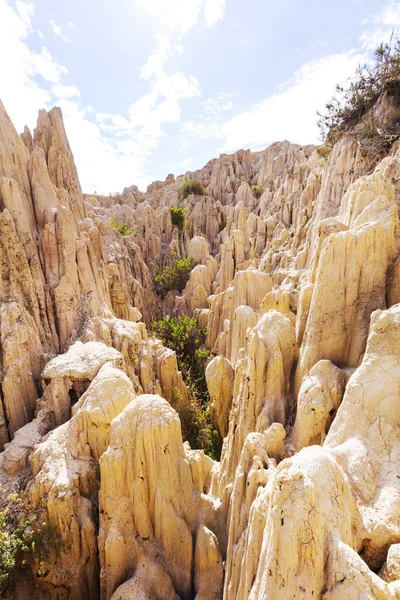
122	229
257	190
178	216
192	186
183	335
173	277
21	539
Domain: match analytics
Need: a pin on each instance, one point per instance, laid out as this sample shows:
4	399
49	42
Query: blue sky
151	87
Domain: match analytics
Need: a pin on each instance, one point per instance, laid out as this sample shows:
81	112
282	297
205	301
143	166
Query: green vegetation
178	217
257	190
183	335
173	277
21	539
192	186
354	100
122	229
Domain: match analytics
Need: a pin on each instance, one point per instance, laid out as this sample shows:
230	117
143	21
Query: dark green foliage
257	190
178	217
174	277
183	335
358	96
192	186
21	538
122	229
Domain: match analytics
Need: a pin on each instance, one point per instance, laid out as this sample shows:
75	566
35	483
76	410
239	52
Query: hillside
286	262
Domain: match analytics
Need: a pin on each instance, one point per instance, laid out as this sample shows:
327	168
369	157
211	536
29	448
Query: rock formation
298	287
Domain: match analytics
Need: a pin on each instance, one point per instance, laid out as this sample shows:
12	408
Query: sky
152	87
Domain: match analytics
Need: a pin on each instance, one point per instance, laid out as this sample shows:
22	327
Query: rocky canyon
293	280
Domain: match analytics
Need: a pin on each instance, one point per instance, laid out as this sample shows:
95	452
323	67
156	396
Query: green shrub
354	99
21	539
122	229
257	190
183	335
173	277
192	186
178	216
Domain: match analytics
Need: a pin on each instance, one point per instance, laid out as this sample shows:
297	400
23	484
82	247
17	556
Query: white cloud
47	67
156	61
222	103
214	11
113	149
161	104
179	16
186	163
20	92
288	114
200	130
390	15
58	31
291	113
30	81
384	23
103	166
65	92
25	11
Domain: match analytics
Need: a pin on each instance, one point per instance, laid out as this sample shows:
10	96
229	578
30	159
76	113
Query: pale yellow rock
347	291
244	318
319	398
323	503
296	272
292	558
74	369
147	500
50	136
45	201
14	458
247	289
198	249
391	569
220	376
64	469
23	360
208	566
393	289
278	300
150	582
262	387
251	474
363	436
14	157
